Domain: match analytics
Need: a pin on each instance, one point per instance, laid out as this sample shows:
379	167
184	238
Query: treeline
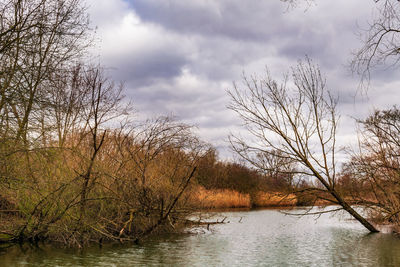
259	188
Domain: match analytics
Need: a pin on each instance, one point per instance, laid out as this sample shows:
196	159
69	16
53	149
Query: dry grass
224	198
264	199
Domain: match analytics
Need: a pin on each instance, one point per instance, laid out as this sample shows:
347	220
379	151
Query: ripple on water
252	238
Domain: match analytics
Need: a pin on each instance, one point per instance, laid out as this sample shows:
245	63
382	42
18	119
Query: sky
179	57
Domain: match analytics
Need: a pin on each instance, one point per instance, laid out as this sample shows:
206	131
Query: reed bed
226	198
221	198
273	199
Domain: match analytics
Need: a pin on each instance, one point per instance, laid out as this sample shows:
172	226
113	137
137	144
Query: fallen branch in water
312	213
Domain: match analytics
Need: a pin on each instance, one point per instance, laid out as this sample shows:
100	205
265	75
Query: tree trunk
352	212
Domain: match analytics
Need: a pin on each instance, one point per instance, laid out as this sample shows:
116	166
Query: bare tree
101	104
375	167
381	40
153	165
279	170
297	120
66	98
38	39
63	174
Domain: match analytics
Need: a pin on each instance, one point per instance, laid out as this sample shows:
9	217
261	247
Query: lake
251	238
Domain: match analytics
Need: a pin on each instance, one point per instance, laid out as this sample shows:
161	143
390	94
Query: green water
251	238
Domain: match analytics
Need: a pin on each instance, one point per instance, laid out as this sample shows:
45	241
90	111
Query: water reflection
261	238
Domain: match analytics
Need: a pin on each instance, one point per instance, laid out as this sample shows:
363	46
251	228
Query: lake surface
251	238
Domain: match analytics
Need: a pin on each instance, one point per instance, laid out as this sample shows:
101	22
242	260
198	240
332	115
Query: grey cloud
216	40
234	19
146	68
187	103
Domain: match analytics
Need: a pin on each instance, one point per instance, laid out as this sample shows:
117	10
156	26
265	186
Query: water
251	238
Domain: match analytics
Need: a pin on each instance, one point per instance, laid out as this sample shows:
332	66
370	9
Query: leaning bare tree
297	121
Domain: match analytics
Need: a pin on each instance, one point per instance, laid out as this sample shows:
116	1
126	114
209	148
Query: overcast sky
179	57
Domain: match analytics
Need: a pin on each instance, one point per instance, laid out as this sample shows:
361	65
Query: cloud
226	18
141	53
179	57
